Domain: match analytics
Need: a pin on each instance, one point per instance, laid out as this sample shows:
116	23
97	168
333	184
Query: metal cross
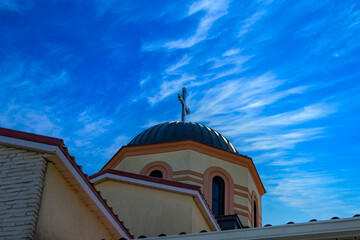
185	109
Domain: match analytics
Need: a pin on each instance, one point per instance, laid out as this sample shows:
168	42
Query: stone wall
21	181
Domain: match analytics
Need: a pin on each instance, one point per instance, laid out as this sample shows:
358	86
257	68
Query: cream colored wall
177	160
197	220
198	162
150	212
63	214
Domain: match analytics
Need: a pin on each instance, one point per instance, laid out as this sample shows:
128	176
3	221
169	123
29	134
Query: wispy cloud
311	112
31	75
235	108
170	87
232	59
91	125
335	33
309	191
144	80
270	154
250	22
113	148
14	5
175	68
213	11
32	119
282	141
89	139
232	51
236	96
228	65
290	162
32	83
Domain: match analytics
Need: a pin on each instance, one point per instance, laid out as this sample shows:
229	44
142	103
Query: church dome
179	131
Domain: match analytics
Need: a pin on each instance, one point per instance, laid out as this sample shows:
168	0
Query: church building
175	180
195	155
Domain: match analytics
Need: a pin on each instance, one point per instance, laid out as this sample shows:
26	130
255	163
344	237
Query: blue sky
280	79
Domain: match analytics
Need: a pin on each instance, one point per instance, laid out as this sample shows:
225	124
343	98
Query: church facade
175	180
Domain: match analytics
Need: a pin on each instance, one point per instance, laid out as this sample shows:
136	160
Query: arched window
157	169
218	196
255	214
210	175
156	173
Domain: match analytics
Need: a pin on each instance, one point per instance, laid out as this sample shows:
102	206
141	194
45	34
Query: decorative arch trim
158	165
209	175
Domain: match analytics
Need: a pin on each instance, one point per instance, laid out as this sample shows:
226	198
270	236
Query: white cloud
91	125
33	76
282	141
290	162
168	88
249	22
173	69
235	108
258	124
117	144
269	155
225	66
29	119
331	33
144	80
240	96
230	52
228	60
314	111
309	191
213	11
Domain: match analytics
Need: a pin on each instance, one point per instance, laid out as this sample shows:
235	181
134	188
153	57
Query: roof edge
31	137
146	178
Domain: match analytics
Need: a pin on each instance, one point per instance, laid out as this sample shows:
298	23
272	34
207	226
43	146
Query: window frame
160	166
209	174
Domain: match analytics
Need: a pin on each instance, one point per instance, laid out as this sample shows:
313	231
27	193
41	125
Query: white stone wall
21	182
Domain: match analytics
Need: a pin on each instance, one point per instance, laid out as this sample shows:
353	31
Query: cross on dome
185	110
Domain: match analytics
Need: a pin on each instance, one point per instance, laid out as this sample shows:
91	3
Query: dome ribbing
179	131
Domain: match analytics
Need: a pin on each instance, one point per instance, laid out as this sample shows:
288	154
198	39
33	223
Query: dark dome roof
178	131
